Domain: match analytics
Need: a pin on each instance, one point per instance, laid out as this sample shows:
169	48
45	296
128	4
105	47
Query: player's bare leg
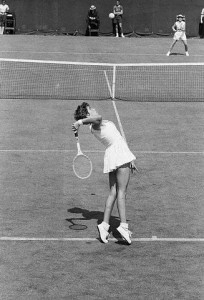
118	180
121	30
1	28
104	226
171	47
123	176
111	198
116	31
186	47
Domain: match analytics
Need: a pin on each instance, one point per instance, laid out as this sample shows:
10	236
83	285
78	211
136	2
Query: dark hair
81	111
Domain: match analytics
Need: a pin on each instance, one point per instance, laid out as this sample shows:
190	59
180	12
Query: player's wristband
80	122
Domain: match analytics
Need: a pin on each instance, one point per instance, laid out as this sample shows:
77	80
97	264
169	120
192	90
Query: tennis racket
82	165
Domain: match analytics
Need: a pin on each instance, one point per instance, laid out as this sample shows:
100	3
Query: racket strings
82	166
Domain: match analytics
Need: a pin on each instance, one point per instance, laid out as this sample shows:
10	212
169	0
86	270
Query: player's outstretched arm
86	121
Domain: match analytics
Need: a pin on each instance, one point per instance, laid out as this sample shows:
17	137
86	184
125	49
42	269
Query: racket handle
79	148
76	134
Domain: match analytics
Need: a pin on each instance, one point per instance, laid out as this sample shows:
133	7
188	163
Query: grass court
41	256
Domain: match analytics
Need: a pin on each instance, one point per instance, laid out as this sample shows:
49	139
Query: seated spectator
201	25
92	20
4	8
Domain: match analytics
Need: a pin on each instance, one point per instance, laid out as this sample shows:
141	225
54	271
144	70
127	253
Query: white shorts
180	35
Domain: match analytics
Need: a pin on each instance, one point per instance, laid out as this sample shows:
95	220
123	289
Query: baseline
153	238
92	53
100	151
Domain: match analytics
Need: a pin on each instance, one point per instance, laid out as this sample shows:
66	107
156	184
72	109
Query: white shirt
118	9
180	26
202	15
108	134
3	8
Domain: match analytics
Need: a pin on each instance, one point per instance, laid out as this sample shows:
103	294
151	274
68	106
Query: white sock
124	225
105	225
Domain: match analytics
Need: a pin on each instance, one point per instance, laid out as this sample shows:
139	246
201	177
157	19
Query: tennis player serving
118	162
179	28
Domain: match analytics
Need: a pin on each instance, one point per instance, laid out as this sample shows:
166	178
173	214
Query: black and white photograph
102	150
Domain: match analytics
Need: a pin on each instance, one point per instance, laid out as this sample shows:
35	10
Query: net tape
43	79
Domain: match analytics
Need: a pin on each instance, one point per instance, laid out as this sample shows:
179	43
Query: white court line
92	53
99	151
108	83
171	152
112	95
46	150
155	239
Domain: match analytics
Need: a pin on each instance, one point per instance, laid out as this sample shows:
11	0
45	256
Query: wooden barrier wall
142	16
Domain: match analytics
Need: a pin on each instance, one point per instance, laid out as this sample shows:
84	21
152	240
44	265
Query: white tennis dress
117	152
180	33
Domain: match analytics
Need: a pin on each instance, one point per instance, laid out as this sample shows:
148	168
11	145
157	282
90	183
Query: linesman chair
10	24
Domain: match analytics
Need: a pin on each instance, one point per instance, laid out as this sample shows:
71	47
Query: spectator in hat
93	21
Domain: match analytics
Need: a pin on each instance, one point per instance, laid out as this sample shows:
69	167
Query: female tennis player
118	162
179	28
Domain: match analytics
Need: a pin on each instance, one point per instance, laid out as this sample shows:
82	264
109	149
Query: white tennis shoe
103	233
168	53
125	233
187	54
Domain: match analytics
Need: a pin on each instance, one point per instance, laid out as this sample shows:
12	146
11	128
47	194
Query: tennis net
43	79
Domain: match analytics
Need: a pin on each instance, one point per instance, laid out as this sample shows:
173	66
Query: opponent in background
179	28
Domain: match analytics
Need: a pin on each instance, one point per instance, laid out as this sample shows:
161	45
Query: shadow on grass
98	216
173	54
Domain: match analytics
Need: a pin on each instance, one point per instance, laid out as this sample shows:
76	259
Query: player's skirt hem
117	155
